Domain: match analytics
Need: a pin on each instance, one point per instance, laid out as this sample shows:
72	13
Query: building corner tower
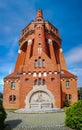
40	79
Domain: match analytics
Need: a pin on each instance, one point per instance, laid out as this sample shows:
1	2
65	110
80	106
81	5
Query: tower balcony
29	32
51	32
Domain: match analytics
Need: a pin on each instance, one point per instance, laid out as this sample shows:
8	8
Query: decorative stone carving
19	51
39	74
40	97
49	41
61	50
44	74
29	41
34	74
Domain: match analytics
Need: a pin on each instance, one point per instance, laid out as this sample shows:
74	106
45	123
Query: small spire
39	15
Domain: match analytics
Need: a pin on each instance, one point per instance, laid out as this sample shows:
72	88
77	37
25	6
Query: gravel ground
43	121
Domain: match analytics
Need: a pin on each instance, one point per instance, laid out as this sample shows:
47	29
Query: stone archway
39	99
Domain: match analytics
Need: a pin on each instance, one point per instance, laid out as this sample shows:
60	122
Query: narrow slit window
35	82
39	62
39	45
10	98
44	82
35	63
43	63
39	81
14	98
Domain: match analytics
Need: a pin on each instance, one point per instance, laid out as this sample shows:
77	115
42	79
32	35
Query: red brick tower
40	79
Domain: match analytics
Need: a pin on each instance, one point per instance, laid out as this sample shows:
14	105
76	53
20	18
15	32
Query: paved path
45	121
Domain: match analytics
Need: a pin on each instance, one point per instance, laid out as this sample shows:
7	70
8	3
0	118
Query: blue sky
66	15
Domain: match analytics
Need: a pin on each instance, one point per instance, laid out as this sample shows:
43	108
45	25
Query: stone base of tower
39	110
40	99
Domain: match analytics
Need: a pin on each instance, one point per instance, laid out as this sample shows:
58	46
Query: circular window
26	80
52	79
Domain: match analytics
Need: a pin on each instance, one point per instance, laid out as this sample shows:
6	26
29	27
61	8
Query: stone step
39	110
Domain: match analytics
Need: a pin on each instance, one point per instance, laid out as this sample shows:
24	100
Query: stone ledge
39	110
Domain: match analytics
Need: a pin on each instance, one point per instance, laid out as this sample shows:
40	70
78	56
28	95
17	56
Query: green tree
2	116
74	116
80	93
66	103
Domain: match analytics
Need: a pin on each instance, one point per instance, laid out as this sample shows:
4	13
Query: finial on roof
39	15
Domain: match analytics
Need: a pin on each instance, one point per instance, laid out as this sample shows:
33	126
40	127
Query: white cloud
1	81
74	56
12	50
5	67
78	72
1	84
74	62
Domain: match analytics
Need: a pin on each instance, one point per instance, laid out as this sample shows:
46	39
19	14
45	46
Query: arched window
39	44
39	62
39	81
13	84
52	79
10	98
26	80
35	82
14	98
43	63
67	84
35	63
68	96
44	82
39	35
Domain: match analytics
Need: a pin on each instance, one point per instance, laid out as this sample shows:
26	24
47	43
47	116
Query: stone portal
39	99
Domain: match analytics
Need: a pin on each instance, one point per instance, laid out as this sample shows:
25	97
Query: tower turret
39	15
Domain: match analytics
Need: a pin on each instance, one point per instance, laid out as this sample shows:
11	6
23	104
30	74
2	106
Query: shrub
2	116
66	103
74	116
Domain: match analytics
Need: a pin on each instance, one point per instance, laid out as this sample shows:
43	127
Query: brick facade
40	69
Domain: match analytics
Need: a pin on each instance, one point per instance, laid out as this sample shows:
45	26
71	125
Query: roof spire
39	15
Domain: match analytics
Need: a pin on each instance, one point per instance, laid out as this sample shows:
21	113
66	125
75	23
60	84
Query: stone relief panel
40	97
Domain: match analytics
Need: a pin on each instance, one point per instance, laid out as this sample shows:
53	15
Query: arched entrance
39	99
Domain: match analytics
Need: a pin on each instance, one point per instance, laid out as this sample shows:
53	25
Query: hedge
74	116
2	116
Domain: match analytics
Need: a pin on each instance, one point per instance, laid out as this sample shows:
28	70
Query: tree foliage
66	103
74	116
80	93
1	95
2	116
